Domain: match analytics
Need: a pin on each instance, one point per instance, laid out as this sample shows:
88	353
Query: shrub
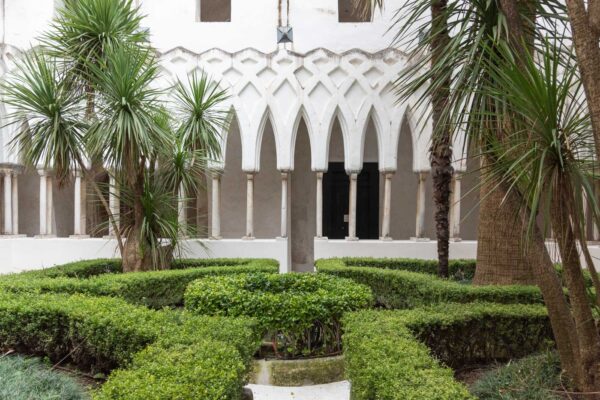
78	269
397	289
155	289
207	370
300	312
459	270
103	333
25	379
531	378
386	358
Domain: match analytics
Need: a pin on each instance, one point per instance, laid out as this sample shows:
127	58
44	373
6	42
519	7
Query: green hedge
388	358
398	289
103	333
299	312
154	289
459	270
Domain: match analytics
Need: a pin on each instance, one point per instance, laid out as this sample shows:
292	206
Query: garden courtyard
349	200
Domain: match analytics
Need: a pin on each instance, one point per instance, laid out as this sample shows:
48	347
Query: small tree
124	120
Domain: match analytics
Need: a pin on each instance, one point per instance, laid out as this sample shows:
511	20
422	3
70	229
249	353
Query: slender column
319	204
15	203
114	204
387	206
8	211
249	206
216	206
420	217
43	202
352	207
49	206
455	208
284	203
182	210
79	212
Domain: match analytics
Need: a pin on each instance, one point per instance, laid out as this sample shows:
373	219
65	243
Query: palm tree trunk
500	243
441	152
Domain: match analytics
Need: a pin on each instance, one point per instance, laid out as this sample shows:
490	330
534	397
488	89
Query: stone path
331	391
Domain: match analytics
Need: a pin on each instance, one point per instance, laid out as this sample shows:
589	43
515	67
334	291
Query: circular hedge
300	313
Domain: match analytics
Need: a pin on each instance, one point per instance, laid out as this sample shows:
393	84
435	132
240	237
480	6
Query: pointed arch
302	116
232	121
267	116
408	119
339	116
372	116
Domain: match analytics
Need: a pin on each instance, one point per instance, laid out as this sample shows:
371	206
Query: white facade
296	107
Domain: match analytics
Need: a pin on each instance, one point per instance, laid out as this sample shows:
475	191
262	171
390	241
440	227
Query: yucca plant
96	48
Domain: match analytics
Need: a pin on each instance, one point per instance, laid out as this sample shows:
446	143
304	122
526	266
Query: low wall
20	254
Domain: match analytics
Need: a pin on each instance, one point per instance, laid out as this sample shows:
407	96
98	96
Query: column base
385	238
109	237
420	239
456	239
51	236
19	235
79	237
248	238
215	238
351	239
324	238
281	238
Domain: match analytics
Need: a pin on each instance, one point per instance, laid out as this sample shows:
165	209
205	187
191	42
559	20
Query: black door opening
336	196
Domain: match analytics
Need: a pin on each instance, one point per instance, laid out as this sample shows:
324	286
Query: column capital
44	172
353	172
285	175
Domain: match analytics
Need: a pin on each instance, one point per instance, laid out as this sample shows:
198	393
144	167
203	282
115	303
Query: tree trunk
500	239
441	151
136	255
589	340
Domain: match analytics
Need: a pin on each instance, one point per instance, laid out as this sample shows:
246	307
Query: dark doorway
336	192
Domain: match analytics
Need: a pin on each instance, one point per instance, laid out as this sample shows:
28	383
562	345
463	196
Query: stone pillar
420	217
8	210
43	201
79	207
352	207
249	206
216	207
319	204
387	206
284	203
15	203
455	208
182	210
46	203
114	204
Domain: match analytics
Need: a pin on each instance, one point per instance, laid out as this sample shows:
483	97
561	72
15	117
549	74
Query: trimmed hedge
300	312
459	270
398	289
103	333
387	357
154	289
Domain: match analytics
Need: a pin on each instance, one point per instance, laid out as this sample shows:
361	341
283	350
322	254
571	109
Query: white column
182	209
216	206
319	204
387	206
455	208
15	203
352	207
114	204
79	208
284	203
8	211
49	206
420	217
249	206
43	203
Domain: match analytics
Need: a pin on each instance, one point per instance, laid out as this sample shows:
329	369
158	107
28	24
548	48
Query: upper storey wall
173	23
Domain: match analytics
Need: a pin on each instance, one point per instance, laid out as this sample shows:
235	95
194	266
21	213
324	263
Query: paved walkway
331	391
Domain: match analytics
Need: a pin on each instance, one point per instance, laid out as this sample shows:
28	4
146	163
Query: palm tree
131	131
547	159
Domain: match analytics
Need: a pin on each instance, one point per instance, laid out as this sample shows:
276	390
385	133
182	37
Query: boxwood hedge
300	313
399	289
392	355
154	289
